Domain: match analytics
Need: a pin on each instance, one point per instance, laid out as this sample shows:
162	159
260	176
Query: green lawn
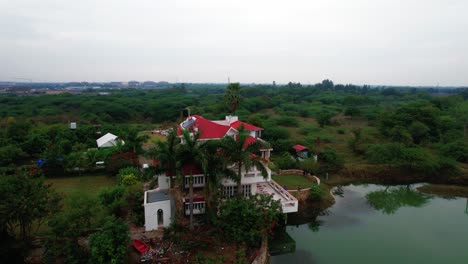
293	181
87	184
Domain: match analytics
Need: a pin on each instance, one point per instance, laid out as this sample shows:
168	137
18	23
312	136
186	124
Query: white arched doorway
160	217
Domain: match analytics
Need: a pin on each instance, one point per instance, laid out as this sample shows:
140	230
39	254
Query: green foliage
9	154
133	201
77	219
111	244
232	97
457	150
287	121
285	161
245	220
25	201
111	199
128	176
67	226
330	160
415	159
324	118
352	111
316	193
309	165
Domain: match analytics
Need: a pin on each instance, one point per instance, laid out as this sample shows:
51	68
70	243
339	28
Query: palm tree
232	96
236	151
134	141
189	154
215	168
165	153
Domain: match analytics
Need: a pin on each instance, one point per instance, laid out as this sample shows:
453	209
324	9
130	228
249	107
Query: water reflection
300	256
390	199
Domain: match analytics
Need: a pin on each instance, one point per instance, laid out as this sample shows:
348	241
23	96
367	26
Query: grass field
87	184
292	181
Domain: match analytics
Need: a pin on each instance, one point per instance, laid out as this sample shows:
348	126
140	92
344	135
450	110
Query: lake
383	224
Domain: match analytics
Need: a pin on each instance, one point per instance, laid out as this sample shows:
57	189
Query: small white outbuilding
159	209
108	140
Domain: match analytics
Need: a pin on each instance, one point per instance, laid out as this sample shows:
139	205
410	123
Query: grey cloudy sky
400	42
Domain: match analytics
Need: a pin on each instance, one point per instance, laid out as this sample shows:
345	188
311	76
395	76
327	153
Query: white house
108	140
252	180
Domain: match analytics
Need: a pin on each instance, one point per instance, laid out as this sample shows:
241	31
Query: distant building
302	152
108	140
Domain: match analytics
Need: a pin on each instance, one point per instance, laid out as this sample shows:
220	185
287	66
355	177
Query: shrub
111	244
128	176
330	160
457	150
286	161
287	121
110	198
324	118
245	220
316	193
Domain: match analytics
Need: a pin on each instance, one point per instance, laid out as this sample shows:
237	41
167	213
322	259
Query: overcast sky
393	42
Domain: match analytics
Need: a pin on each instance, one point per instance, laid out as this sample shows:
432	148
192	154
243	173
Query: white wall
151	213
163	182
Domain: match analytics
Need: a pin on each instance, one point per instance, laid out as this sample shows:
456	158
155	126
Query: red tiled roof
247	126
249	140
299	147
207	128
211	130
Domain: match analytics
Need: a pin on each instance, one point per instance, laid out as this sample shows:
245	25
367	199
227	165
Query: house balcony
199	205
198	181
289	203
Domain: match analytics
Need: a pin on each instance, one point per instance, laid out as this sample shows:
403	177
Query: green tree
133	141
9	154
324	118
238	151
111	199
67	226
189	154
166	154
245	221
111	244
75	161
330	160
25	201
232	96
215	168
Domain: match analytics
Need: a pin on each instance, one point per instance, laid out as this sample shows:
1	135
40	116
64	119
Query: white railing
291	204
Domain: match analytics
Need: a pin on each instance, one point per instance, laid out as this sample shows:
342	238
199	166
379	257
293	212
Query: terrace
289	203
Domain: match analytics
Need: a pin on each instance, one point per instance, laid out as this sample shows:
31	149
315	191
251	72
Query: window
197	206
229	191
197	181
246	189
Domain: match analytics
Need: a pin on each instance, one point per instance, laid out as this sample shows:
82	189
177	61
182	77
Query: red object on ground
140	246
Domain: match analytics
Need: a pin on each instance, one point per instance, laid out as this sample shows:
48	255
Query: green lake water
379	224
